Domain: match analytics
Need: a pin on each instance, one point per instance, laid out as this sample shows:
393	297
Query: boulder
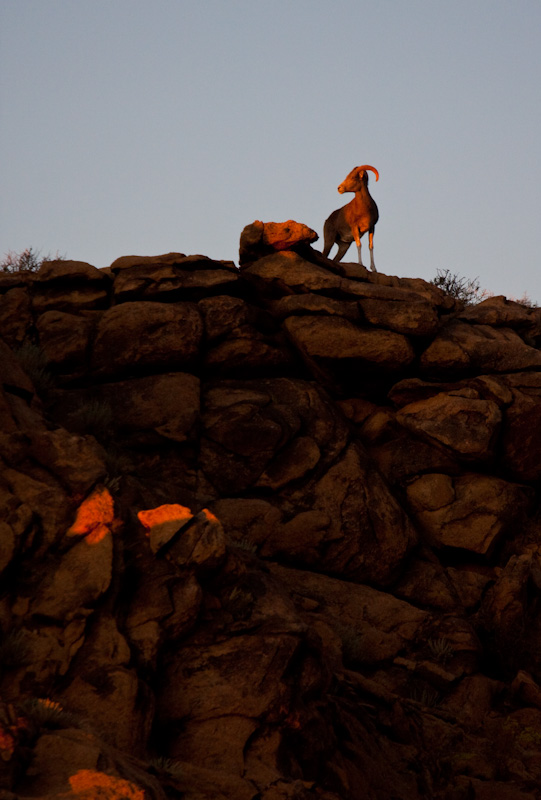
77	461
459	420
47	505
342	341
262	238
463	348
247	424
160	280
69	285
165	405
522	427
115	703
65	338
369	536
470	512
15	316
407	313
147	335
375	623
498	312
221	708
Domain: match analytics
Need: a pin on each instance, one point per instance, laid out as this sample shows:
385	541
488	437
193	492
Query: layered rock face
269	532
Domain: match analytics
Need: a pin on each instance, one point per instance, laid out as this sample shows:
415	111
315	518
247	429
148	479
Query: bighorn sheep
353	220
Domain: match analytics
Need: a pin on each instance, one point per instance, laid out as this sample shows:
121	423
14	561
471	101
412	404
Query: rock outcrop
267	533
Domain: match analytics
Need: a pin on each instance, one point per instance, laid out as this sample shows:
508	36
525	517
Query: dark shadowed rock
65	338
138	335
337	339
269	532
522	427
460	347
470	512
15	315
461	421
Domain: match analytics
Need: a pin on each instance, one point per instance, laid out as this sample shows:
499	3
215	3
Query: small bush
465	290
94	417
440	649
169	766
425	695
27	261
46	713
243	544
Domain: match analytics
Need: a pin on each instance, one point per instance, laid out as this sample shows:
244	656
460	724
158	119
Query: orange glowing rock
210	516
95	516
7	745
166	513
163	522
87	781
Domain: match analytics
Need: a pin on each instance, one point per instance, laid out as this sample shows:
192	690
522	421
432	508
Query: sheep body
352	221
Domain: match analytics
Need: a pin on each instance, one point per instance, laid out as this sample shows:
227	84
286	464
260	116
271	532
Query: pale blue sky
145	126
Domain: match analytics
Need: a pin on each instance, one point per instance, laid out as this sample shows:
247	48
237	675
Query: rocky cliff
266	533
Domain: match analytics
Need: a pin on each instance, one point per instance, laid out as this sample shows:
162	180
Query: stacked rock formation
269	532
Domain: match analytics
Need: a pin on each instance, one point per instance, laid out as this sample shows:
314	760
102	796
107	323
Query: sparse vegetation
240	602
243	544
465	290
28	260
35	364
94	417
425	695
160	764
46	713
440	649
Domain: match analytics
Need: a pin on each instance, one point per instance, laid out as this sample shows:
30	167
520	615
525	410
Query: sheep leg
371	248
342	249
357	236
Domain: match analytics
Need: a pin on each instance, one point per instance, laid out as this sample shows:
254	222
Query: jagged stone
358	544
201	545
460	420
470	512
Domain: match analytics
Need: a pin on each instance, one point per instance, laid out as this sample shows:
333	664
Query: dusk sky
149	126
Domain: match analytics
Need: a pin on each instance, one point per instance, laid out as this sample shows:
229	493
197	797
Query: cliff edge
267	532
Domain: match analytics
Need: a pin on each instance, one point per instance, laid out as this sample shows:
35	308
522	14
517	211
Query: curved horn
372	169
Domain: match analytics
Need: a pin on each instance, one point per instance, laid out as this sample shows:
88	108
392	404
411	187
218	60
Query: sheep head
356	178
